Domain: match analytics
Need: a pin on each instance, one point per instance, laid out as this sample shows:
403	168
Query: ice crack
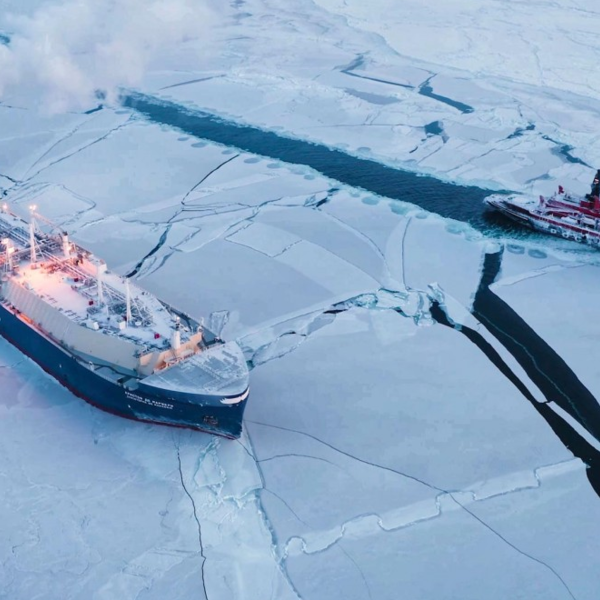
11	366
9	178
59	141
265	489
280	560
207	176
82	148
159	245
441	493
200	543
278	340
515	548
295	455
360	571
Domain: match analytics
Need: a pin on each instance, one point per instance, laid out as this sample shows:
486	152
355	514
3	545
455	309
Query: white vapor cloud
71	52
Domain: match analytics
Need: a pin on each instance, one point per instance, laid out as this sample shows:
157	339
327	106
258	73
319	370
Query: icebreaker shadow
551	374
574	442
557	382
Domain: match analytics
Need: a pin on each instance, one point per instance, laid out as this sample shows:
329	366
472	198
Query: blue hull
195	411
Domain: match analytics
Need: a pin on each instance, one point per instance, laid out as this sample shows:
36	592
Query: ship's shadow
543	365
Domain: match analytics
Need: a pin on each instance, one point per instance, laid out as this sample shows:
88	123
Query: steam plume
73	52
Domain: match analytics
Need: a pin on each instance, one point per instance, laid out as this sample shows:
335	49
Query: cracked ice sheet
530	45
156	173
419	400
406	248
30	141
453	556
298	69
92	505
144	567
437	251
66	479
258	290
147	165
279	262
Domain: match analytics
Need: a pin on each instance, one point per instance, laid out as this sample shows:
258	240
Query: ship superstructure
563	214
112	343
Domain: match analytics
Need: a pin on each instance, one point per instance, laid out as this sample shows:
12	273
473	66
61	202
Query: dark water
564	151
463	203
94	110
520	131
434	128
427	90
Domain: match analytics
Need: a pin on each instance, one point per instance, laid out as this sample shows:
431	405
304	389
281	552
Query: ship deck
71	286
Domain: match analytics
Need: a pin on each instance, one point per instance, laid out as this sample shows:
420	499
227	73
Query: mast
596	185
127	300
100	268
66	245
32	209
176	336
9	252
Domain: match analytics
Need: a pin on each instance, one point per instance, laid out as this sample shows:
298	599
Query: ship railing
14	233
89	289
49	249
21	235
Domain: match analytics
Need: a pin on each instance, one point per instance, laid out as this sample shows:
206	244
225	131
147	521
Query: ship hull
565	228
196	411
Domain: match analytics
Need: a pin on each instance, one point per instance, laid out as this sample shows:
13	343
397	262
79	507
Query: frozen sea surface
423	419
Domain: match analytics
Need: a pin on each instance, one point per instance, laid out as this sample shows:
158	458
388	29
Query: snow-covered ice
414	430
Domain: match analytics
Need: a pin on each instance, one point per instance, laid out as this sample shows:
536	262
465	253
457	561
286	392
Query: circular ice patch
537	253
397	208
370	200
454	228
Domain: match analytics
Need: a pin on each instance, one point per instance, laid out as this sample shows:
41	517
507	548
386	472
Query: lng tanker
110	342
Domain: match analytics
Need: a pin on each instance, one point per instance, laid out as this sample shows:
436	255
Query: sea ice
395	444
